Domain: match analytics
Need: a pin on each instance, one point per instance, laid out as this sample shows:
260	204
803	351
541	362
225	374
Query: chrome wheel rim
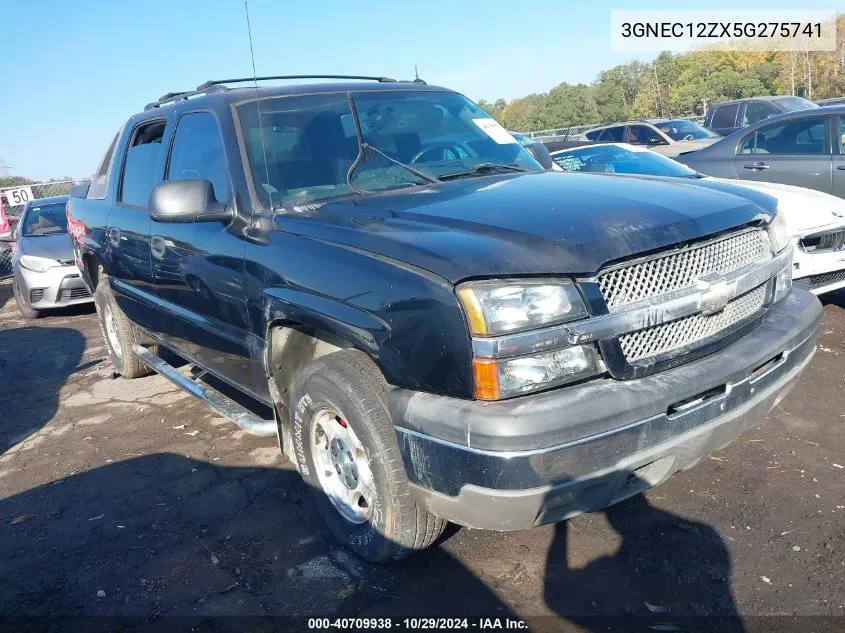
342	466
111	331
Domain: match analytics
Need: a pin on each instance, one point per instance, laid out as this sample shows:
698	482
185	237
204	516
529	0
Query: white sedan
815	220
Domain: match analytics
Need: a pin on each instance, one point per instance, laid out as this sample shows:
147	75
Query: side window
613	134
725	116
756	111
198	153
805	136
141	167
100	179
593	135
639	134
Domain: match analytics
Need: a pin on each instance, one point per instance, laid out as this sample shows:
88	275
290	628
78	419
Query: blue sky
72	71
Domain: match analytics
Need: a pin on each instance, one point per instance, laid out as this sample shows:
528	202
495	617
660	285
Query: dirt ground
130	498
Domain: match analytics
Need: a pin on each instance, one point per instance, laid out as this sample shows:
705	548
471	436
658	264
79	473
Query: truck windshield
305	150
48	219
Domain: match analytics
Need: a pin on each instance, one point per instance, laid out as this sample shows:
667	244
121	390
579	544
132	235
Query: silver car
45	275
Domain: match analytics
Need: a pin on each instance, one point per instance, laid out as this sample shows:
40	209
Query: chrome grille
675	335
680	269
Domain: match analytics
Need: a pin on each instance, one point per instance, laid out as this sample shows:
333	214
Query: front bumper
818	272
57	287
542	458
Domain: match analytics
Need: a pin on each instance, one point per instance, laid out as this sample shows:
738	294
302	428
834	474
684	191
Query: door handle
157	247
840	167
114	236
757	166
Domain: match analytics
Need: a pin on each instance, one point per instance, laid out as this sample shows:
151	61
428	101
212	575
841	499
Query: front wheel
346	449
118	334
26	310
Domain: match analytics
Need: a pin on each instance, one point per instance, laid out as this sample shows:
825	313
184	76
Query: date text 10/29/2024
417	624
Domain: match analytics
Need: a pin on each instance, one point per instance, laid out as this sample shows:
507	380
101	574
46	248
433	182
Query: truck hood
805	210
528	224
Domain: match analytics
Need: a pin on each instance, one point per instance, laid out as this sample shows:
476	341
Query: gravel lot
130	498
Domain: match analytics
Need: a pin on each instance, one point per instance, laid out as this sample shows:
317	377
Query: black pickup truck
444	330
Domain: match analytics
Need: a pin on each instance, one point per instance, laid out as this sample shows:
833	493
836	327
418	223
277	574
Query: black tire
349	382
124	361
26	310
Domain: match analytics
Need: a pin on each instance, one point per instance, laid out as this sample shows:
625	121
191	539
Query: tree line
679	84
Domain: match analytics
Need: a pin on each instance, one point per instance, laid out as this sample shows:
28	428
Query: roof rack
217	85
217	82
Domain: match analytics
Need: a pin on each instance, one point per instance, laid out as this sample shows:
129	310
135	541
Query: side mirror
80	190
7	236
656	140
187	201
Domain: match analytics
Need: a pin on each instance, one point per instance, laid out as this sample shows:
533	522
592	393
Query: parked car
669	137
815	221
804	148
45	274
464	338
830	101
727	117
537	149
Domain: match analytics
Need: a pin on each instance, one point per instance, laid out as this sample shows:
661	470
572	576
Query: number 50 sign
18	196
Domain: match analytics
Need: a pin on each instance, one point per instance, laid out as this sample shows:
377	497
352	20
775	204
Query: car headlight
778	233
500	307
37	264
503	378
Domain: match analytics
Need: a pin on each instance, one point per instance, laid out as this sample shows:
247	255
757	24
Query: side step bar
226	407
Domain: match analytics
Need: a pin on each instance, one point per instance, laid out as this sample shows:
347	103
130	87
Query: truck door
128	227
199	267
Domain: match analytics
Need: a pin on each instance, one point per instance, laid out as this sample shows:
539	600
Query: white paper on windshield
495	131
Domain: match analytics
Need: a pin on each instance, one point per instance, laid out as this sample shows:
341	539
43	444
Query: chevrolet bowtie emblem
714	295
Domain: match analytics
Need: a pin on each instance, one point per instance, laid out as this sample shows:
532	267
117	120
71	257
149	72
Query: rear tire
26	310
119	334
385	523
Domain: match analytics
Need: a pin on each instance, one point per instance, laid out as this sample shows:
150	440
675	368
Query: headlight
495	379
778	233
783	281
500	307
37	264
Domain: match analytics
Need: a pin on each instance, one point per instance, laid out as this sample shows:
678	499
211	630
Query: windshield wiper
413	170
483	168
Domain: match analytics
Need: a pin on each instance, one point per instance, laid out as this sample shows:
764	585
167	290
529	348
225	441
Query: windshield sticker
495	131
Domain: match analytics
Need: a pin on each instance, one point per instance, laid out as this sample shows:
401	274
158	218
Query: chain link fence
13	200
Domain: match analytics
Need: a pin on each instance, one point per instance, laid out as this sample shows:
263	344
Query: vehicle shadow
35	362
837	298
668	573
176	541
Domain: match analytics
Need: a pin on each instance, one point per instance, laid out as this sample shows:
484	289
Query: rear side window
141	167
756	111
805	136
842	134
725	116
198	153
593	135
